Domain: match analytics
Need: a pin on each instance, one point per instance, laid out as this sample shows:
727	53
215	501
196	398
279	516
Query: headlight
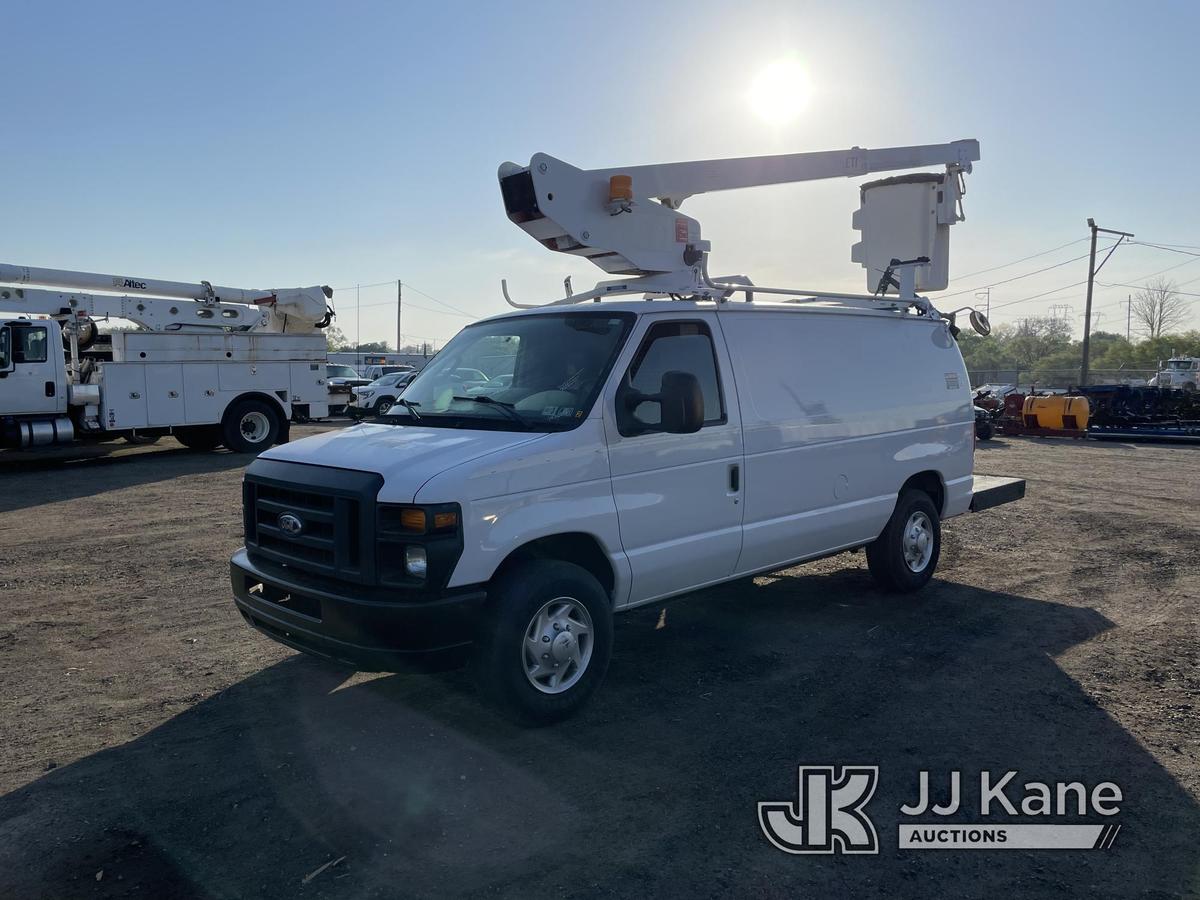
365	395
417	546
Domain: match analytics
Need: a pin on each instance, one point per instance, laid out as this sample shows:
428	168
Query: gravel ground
155	746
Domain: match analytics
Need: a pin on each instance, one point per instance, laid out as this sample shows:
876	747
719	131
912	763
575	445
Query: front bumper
370	634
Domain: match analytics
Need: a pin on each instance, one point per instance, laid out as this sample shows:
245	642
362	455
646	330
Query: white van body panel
554	485
406	456
681	525
822	446
828	443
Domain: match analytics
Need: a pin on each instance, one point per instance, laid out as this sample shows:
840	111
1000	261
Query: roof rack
722	289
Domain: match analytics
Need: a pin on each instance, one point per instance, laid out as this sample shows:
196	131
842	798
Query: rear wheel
904	557
250	426
382	405
198	437
547	645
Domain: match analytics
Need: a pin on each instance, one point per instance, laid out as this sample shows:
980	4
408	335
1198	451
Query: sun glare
780	92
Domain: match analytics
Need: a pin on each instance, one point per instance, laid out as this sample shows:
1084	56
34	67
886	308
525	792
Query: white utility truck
212	365
1181	372
660	433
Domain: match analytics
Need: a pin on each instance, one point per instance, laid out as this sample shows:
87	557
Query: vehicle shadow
30	481
416	789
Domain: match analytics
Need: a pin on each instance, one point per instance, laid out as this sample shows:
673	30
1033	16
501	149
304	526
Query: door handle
735	478
50	389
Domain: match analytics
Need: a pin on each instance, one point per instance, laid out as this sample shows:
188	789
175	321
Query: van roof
814	306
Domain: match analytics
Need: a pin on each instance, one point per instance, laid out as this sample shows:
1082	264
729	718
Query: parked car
374	372
340	380
985	427
641	450
377	397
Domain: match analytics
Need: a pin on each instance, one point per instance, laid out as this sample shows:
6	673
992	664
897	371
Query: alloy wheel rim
917	541
557	645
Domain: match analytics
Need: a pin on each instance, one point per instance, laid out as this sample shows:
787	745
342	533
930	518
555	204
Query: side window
669	347
29	345
5	348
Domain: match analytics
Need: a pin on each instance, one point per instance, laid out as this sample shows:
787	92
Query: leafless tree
1158	308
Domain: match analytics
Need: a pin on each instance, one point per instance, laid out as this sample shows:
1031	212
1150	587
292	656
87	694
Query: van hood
406	456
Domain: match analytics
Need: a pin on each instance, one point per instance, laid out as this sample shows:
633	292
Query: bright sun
780	92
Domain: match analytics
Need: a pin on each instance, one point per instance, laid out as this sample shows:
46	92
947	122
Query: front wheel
250	426
383	405
904	556
548	642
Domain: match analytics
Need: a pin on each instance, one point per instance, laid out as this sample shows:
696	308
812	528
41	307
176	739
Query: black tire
198	437
501	665
250	426
382	405
886	555
984	430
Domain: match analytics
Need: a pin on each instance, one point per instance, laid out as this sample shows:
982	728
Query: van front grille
312	518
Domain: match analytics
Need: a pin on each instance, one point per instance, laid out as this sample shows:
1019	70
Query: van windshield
525	373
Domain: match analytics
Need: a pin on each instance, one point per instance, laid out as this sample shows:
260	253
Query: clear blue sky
264	144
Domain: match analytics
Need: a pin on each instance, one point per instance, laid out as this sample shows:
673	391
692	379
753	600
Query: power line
1168	248
1021	260
442	302
996	306
1016	277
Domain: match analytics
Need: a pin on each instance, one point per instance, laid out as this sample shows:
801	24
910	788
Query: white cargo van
632	450
642	449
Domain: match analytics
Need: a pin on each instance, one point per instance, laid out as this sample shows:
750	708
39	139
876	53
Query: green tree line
1043	350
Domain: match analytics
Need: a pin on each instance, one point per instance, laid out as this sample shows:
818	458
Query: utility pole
358	327
1092	270
399	299
985	295
1128	315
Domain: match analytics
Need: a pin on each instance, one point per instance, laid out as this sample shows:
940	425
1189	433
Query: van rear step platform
994	490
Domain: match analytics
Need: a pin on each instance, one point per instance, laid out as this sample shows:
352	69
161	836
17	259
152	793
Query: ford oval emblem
290	524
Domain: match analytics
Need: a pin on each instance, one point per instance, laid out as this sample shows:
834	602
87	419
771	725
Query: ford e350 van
634	451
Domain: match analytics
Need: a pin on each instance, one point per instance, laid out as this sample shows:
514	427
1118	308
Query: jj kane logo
829	814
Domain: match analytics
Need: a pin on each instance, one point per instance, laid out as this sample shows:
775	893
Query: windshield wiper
409	405
507	408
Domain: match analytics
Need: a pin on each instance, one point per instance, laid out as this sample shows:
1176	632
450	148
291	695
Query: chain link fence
1058	378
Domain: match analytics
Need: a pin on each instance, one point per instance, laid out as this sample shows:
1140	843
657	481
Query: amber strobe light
620	187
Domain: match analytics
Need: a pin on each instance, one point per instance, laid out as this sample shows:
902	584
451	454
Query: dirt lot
155	746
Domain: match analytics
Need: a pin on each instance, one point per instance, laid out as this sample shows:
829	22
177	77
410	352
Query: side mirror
682	403
980	323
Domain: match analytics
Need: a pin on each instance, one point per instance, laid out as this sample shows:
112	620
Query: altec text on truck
213	365
632	450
